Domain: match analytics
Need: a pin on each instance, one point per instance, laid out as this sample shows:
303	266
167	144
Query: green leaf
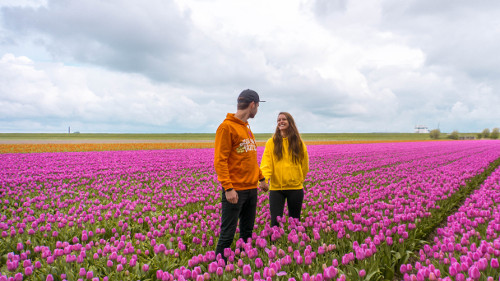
388	273
372	275
397	255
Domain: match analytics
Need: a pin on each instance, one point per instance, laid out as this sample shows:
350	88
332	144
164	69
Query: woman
285	163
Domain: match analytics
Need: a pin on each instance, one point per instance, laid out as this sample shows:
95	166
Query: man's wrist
262	179
229	189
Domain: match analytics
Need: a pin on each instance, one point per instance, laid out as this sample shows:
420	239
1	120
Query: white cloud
54	96
23	3
337	66
459	110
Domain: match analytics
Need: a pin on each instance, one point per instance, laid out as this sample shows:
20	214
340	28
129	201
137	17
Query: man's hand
264	186
232	196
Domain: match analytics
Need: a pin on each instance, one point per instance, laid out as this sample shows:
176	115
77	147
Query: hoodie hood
232	118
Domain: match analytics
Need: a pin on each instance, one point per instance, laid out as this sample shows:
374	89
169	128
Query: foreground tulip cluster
155	215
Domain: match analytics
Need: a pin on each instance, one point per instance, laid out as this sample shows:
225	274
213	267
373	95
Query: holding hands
264	185
232	195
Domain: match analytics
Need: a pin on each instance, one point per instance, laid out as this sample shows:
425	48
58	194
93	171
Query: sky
163	66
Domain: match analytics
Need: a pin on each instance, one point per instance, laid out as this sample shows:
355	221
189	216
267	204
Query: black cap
248	96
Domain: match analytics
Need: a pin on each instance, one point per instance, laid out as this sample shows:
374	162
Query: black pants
277	200
244	210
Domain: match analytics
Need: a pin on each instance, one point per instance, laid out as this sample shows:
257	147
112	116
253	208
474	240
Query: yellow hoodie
284	174
235	157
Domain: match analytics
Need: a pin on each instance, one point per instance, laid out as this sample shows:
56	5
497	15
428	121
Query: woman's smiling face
282	122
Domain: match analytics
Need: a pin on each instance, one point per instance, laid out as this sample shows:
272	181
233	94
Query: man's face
254	107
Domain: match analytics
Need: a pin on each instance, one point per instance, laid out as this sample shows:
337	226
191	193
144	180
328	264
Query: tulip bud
494	263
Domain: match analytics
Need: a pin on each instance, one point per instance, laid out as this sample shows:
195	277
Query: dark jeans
277	200
244	210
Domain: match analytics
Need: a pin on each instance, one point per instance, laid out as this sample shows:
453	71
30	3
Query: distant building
421	129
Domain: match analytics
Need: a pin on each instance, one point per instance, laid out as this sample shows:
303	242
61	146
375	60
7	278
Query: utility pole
69	129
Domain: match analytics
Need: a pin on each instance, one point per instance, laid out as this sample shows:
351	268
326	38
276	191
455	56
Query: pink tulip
329	273
299	260
247	270
494	263
219	271
212	267
259	263
474	272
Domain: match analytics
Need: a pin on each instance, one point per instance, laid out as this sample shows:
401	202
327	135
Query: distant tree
495	133
479	136
454	135
486	133
434	134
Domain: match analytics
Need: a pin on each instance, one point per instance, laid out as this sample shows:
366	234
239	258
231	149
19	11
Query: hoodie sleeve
266	165
305	161
222	150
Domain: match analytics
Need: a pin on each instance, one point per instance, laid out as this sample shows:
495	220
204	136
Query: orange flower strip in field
72	147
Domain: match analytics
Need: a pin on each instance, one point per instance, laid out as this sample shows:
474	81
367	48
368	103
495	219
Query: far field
75	138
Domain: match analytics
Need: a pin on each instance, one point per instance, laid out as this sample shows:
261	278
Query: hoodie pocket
293	175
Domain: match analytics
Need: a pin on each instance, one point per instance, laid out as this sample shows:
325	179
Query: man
235	162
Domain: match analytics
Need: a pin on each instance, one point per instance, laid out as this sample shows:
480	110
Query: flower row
468	246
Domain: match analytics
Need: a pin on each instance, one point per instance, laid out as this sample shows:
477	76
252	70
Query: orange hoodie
235	157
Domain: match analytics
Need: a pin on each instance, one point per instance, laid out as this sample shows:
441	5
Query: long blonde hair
295	145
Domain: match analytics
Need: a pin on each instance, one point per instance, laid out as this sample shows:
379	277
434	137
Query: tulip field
377	211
